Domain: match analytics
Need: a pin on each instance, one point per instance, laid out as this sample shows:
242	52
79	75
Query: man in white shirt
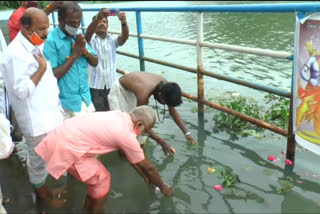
4	102
33	90
102	77
6	146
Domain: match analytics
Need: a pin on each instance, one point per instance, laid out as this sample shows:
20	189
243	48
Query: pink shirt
14	22
89	135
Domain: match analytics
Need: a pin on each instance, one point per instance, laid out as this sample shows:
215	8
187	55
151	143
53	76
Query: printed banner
306	82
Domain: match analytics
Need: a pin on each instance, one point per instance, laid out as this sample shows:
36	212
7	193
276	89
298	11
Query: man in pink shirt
74	145
14	20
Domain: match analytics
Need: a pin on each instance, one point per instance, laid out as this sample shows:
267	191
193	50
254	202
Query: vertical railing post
140	40
200	79
53	19
82	26
291	144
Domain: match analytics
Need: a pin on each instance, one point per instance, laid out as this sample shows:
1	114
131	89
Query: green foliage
279	110
233	124
9	4
16	4
276	113
229	179
286	186
43	4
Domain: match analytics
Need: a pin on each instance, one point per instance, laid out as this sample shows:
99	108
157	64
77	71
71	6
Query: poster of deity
306	83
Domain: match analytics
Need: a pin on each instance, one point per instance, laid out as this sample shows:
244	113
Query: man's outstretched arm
177	119
52	7
147	170
168	150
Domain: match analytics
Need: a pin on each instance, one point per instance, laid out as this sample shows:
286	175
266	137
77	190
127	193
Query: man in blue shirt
69	55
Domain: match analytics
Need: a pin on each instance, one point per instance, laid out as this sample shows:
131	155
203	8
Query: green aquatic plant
286	186
229	179
276	113
279	110
233	124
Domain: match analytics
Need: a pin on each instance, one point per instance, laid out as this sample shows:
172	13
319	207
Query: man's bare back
142	84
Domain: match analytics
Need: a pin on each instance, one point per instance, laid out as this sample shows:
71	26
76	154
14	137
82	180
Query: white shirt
4	102
37	108
105	72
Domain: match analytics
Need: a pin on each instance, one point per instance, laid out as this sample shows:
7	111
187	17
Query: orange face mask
35	39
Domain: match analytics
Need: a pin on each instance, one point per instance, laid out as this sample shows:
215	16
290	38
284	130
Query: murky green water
265	187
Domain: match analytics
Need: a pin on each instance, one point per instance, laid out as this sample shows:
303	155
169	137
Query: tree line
16	4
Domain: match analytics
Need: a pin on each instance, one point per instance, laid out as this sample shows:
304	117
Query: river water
264	186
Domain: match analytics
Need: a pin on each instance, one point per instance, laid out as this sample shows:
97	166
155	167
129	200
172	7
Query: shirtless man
134	89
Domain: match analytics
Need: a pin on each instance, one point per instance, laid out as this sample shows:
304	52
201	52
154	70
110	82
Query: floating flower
211	170
300	182
283	152
218	187
235	94
271	158
288	162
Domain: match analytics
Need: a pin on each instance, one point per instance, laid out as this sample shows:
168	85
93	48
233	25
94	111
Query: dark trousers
99	97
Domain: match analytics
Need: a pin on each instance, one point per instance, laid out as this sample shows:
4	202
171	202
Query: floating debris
288	162
211	170
192	147
271	158
218	187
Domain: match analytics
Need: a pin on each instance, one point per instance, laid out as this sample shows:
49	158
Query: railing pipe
240	115
265	8
230	111
54	20
82	26
257	86
248	50
237	48
200	79
140	41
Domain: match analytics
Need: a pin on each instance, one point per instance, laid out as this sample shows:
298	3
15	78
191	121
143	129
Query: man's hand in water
191	140
167	190
168	150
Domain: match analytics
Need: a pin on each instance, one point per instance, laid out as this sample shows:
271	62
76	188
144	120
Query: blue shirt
73	85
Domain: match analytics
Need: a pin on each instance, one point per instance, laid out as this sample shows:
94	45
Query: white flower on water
235	94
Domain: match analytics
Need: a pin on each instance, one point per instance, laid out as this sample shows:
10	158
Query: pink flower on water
283	152
271	158
218	187
288	162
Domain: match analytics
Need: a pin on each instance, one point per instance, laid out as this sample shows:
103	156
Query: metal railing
199	44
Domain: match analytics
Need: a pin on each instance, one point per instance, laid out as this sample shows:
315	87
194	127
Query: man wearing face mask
74	145
69	55
14	27
33	90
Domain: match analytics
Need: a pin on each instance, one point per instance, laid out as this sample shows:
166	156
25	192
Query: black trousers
99	97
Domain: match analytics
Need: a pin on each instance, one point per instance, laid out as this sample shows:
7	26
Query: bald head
31	15
144	114
34	20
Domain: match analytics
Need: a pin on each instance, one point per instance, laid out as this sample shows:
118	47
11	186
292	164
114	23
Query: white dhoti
2	210
121	99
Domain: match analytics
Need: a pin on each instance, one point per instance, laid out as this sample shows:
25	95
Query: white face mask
70	30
